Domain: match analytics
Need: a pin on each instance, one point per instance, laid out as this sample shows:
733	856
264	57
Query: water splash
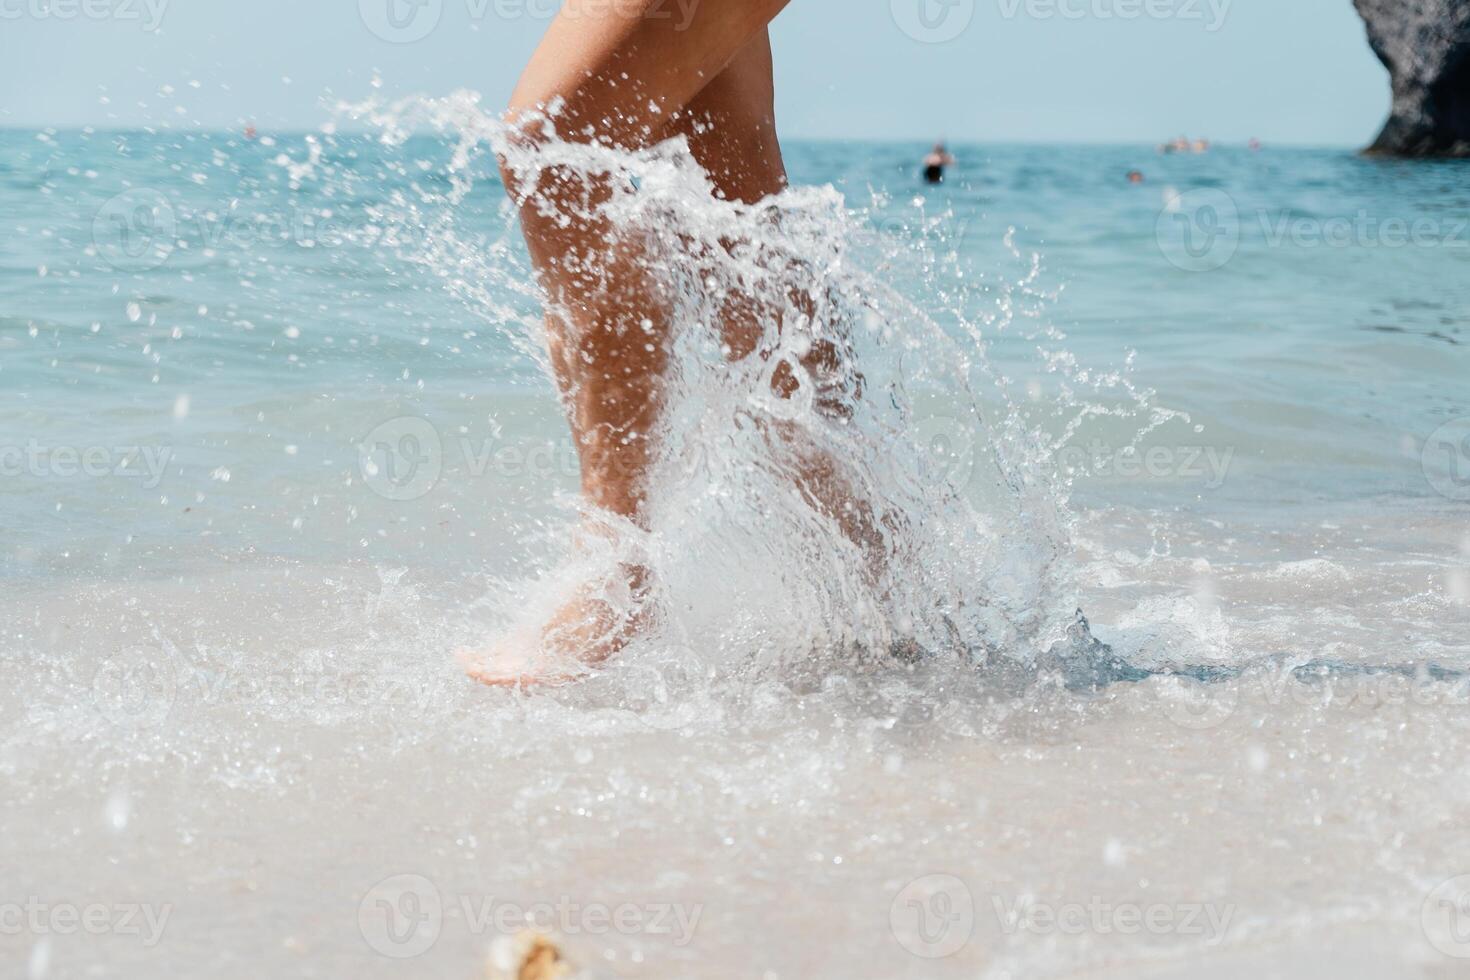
865	360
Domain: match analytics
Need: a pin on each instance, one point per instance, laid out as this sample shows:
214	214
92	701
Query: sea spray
965	550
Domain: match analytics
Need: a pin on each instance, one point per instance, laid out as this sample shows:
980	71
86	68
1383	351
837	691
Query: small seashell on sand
528	955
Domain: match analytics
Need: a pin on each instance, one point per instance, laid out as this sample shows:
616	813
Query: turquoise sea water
275	440
216	328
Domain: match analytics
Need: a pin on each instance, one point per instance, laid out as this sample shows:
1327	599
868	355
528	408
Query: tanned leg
618	75
731	128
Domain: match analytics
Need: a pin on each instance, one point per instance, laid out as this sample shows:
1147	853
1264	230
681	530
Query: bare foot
585	632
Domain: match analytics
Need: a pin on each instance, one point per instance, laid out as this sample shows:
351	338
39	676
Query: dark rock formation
1425	45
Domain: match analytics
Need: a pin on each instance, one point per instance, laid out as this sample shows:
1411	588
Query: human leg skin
731	129
615	78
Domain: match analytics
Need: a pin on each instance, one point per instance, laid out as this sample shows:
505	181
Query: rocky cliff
1425	45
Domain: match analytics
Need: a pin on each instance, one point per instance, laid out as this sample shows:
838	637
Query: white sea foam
943	453
248	712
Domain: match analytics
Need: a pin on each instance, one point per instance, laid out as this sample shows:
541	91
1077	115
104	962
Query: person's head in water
1135	176
935	162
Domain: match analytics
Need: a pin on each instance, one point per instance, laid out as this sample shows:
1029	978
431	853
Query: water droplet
118	811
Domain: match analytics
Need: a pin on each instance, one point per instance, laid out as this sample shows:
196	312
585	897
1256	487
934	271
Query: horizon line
981	141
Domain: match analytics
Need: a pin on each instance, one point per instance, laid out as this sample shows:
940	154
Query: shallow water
228	693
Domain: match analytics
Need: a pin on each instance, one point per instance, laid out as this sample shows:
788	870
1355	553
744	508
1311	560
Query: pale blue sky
1288	71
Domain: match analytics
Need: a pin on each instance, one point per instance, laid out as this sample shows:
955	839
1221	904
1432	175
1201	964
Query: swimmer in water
1135	176
621	75
935	162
